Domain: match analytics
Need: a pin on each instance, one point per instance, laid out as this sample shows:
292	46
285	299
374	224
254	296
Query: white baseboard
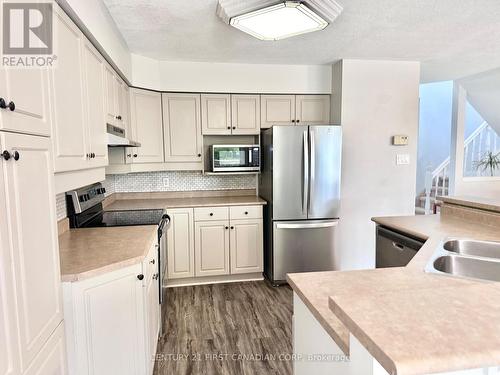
172	283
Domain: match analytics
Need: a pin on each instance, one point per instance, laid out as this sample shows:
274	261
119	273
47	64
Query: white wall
94	16
225	77
379	99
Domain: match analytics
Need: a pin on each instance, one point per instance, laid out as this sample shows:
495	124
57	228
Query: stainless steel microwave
235	158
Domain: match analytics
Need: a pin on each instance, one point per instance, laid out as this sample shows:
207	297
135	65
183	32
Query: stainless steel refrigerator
300	179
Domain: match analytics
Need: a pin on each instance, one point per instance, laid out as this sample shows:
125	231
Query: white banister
436	181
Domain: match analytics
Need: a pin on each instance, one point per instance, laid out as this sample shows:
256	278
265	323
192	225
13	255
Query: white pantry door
31	219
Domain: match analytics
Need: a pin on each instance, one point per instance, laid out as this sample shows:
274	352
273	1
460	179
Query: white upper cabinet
295	110
245	114
312	109
216	114
146	120
26	91
68	130
95	112
182	122
32	243
277	110
111	97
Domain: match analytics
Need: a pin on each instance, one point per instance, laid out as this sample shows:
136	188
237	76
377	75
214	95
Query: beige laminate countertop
412	322
488	204
89	252
141	204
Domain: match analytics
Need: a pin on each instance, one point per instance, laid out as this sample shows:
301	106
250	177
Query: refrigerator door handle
313	168
328	224
305	180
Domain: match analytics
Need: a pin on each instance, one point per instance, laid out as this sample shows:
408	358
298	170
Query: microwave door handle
250	157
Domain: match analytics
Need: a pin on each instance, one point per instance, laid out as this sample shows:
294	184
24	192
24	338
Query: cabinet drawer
246	212
211	213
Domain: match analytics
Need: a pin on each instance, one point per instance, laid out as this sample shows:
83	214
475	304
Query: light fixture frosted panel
279	21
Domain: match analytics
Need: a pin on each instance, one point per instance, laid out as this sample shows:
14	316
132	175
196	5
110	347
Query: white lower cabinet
112	320
246	246
212	248
227	241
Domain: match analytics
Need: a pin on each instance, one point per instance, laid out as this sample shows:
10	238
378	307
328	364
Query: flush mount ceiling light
280	21
274	19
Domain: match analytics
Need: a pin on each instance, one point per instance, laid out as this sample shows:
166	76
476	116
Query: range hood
116	138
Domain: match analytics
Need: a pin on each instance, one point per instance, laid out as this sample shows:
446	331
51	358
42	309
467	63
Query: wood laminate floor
239	328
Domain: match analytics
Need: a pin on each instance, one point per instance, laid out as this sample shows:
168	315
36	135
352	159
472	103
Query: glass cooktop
125	218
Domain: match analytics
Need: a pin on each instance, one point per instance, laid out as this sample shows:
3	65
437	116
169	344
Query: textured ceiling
452	38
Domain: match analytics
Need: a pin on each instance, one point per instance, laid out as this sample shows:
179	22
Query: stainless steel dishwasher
395	249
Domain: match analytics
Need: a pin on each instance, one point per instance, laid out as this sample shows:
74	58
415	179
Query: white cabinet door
211	248
146	119
313	109
31	219
153	319
246	246
52	358
277	110
216	114
9	358
106	316
28	90
245	114
111	99
94	108
120	104
68	130
180	239
181	116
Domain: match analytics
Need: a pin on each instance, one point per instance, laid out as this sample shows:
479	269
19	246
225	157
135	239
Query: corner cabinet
295	110
30	287
147	126
182	123
114	321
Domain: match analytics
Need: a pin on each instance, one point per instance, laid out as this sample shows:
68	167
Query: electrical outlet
166	182
400	140
403	159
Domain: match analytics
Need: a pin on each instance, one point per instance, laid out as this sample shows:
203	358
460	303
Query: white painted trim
481	179
189	281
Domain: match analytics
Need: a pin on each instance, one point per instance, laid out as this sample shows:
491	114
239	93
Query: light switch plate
400	140
403	159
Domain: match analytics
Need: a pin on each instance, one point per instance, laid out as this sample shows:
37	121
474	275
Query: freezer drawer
302	246
395	249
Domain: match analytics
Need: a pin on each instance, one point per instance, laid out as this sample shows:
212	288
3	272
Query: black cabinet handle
3	105
232	227
152	261
297	121
135	155
93	155
246	212
199	155
234	127
129	155
16	155
140	277
12	106
227	227
118	117
6	155
229	127
211	214
293	120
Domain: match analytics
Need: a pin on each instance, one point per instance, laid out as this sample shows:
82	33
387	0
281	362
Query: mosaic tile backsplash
165	181
176	181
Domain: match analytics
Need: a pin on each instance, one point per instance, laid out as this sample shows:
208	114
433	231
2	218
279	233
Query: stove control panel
84	198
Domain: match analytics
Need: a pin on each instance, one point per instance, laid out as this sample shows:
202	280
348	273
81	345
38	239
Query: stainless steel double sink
467	258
